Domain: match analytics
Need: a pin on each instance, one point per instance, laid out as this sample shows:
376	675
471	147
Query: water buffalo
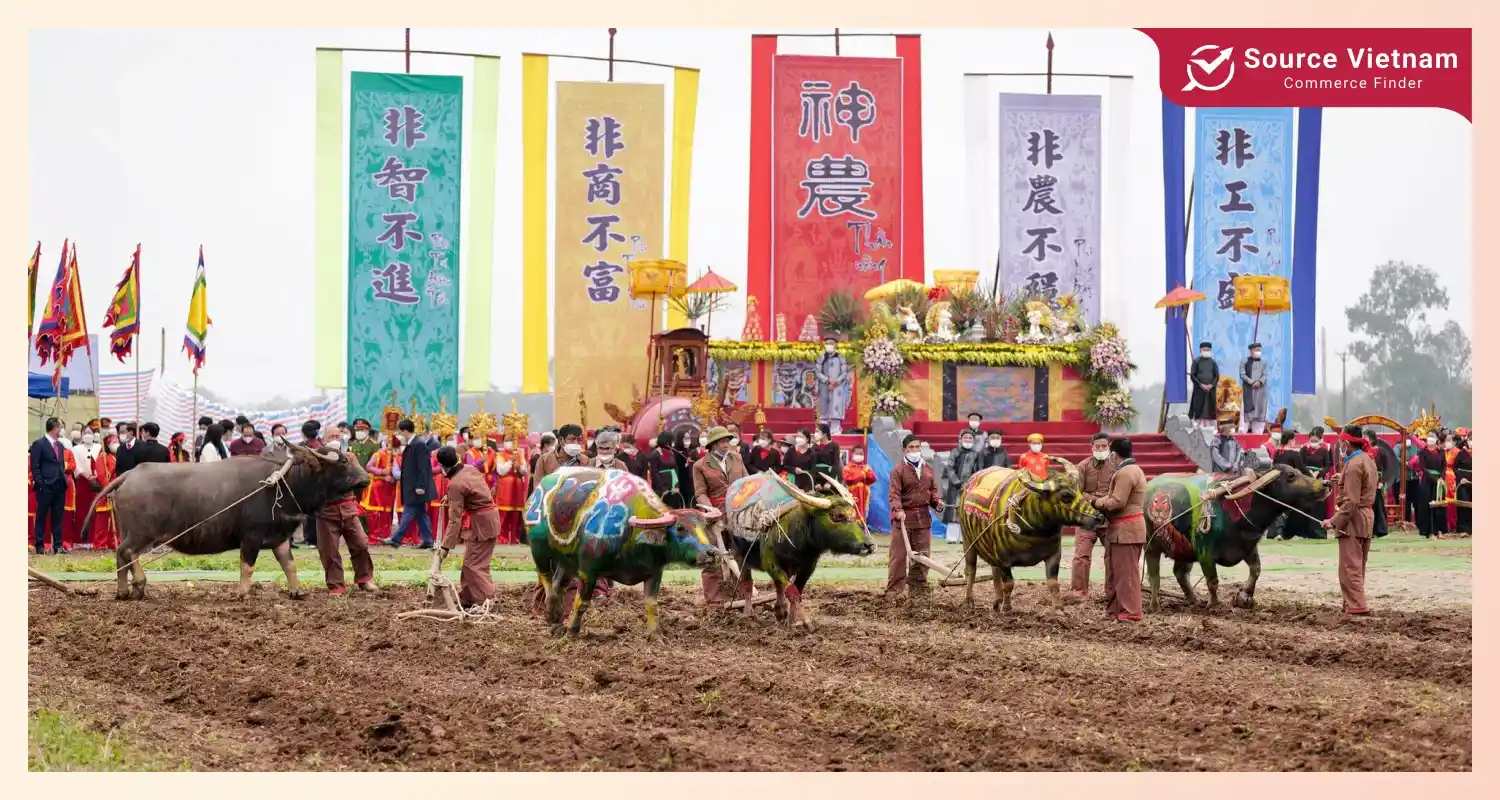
154	503
781	530
586	524
1010	520
1217	521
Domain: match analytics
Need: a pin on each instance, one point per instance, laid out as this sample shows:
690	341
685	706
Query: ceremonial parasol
1179	298
885	290
657	277
1261	294
711	283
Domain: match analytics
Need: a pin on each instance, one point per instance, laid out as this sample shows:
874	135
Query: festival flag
196	340
51	328
31	270
125	308
75	327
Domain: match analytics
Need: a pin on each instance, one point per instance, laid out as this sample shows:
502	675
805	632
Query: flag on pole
75	328
124	309
31	270
50	330
196	340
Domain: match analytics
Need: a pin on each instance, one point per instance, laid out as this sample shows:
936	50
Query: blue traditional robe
833	386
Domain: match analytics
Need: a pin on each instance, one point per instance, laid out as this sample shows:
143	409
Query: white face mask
859	458
764	442
247	436
974	424
113	446
1036	448
995	443
361	435
702	441
1431	440
967	445
1315	443
801	441
828	348
1100	455
509	446
280	439
1206	353
734	441
88	438
915	458
605	458
572	448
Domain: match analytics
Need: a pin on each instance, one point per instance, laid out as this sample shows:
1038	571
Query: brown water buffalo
156	502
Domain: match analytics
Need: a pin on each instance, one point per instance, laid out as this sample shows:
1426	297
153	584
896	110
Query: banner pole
193	450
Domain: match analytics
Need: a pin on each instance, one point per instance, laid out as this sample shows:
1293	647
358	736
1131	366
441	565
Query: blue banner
1242	225
1305	253
1174	186
405	154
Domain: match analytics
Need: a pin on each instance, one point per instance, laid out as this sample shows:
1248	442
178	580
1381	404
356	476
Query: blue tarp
39	385
880	494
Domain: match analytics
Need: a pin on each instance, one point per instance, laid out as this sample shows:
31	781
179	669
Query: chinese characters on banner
1050	200
836	180
1242	225
405	153
609	189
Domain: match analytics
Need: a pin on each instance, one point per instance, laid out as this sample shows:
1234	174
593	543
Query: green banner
405	179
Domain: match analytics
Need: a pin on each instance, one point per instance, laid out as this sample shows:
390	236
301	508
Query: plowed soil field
216	683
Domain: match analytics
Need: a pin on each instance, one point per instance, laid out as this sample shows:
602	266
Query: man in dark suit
417	486
145	450
49	481
311	431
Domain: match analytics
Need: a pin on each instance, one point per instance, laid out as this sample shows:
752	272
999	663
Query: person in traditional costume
1463	471
105	533
740	445
512	477
379	500
800	462
1034	460
1204	375
1125	537
858	477
85	454
1450	481
833	386
826	458
70	500
177	449
338	521
1382	467
690	449
1225	452
1253	375
1094	476
631	458
712	476
963	462
1432	465
481	453
1353	521
913	491
1273	440
764	455
661	472
469	497
994	454
546	444
569	454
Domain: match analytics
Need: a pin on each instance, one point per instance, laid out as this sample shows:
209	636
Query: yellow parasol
1261	294
889	288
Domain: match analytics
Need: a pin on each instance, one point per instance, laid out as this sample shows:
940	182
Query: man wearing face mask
469	498
310	430
105	534
1094	474
203	423
571	437
546	444
994	454
277	448
1034	460
913	491
661	472
416	484
740	445
1225	453
246	444
712	476
1125	537
631	458
1204	376
833	386
975	420
1254	372
338	520
1354	519
511	477
963	462
765	456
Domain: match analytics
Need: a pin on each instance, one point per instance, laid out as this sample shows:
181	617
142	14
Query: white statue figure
1037	317
909	324
944	332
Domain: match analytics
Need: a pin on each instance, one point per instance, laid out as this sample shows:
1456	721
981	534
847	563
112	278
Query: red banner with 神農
836	216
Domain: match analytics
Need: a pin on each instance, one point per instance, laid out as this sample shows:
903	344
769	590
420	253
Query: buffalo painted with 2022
586	524
1010	519
1217	521
781	530
156	502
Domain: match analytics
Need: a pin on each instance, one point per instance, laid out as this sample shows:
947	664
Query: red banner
1307	67
836	194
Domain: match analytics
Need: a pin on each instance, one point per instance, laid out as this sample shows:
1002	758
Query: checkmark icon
1210	67
1207	67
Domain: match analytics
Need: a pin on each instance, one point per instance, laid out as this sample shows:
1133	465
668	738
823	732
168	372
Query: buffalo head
835	524
1060	499
320	475
684	535
1279	487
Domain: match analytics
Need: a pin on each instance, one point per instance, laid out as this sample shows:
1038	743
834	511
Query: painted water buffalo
586	524
1010	519
245	504
781	530
1217	521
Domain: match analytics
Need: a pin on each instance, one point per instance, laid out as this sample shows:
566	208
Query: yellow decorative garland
989	354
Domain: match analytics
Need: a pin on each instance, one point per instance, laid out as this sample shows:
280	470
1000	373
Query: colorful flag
125	308
75	327
31	270
196	340
51	328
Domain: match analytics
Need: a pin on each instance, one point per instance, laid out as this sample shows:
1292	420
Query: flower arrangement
1106	368
890	403
880	358
1111	409
1108	359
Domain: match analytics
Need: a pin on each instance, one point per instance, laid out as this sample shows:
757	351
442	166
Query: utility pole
1344	388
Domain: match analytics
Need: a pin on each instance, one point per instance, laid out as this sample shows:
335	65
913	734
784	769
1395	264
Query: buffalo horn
710	513
652	522
1260	483
838	487
821	503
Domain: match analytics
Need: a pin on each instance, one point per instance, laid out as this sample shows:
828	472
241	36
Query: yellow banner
609	189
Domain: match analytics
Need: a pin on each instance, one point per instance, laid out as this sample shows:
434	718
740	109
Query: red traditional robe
510	494
105	534
380	496
439	500
30	504
1450	484
70	502
84	495
1035	463
859	478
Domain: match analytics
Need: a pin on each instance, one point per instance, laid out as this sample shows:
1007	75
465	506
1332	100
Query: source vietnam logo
1207	66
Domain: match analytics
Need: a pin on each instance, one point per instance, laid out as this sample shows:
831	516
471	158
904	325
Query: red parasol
711	283
1179	298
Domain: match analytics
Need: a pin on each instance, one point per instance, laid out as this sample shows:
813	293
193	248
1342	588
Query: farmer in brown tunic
1354	517
468	493
712	476
1126	535
338	521
1095	473
913	490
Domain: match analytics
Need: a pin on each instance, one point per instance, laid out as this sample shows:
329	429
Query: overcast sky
181	138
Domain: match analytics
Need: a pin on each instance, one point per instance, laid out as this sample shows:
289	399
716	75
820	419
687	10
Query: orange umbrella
1179	298
711	283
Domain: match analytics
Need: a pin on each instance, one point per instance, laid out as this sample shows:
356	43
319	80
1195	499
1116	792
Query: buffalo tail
88	521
